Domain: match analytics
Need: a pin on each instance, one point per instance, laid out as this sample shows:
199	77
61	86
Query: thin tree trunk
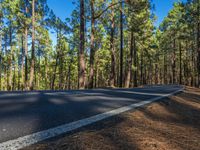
18	77
97	75
112	50
46	73
135	65
156	73
198	41
82	70
193	64
57	58
69	74
54	72
180	67
14	77
26	49
174	63
6	66
164	70
10	61
0	72
39	70
61	70
141	68
92	50
26	57
130	62
22	65
33	48
121	46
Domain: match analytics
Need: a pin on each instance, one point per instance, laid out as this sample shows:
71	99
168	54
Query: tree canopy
108	43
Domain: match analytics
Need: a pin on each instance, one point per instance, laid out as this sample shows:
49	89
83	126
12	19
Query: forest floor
170	124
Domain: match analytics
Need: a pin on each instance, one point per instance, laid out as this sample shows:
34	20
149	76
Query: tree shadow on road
169	124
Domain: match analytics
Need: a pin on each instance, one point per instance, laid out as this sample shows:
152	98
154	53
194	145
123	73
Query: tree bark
130	62
1	65
141	68
198	42
69	74
25	81
54	72
22	65
121	46
180	67
174	63
10	61
33	48
92	50
82	70
135	65
112	50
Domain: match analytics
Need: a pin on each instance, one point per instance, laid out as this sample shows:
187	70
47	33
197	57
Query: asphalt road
23	113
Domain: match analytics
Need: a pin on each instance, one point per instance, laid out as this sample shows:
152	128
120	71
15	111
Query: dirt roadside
170	124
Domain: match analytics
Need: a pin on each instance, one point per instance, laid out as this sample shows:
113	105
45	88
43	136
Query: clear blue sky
162	7
63	9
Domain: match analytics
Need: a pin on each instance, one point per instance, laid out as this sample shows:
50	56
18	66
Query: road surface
24	113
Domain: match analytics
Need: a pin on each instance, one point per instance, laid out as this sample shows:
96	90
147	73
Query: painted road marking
28	140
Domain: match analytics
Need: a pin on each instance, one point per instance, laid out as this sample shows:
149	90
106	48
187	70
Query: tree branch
111	5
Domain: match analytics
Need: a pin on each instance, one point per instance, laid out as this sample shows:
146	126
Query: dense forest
105	43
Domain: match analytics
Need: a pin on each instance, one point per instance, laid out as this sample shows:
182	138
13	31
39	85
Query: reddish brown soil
171	124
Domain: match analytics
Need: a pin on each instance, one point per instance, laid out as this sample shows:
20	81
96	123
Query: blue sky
63	9
162	7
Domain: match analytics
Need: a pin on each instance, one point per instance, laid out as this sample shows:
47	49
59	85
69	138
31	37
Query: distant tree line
179	45
105	43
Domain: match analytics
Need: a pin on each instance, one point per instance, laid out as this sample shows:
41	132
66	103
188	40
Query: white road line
28	140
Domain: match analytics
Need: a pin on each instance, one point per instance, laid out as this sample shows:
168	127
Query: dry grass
172	124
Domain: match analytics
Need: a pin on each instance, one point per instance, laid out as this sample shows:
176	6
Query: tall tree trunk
33	47
61	70
192	65
56	65
25	81
141	68
26	57
18	76
6	66
121	46
1	64
39	69
198	41
54	72
180	67
14	77
174	63
164	70
130	62
97	75
156	73
82	70
112	50
92	50
135	65
46	73
69	74
22	65
10	61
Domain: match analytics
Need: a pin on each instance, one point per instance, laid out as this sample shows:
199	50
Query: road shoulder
173	123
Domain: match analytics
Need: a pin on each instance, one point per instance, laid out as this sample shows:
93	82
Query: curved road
23	113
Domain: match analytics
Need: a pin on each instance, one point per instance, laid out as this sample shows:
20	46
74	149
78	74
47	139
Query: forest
105	43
